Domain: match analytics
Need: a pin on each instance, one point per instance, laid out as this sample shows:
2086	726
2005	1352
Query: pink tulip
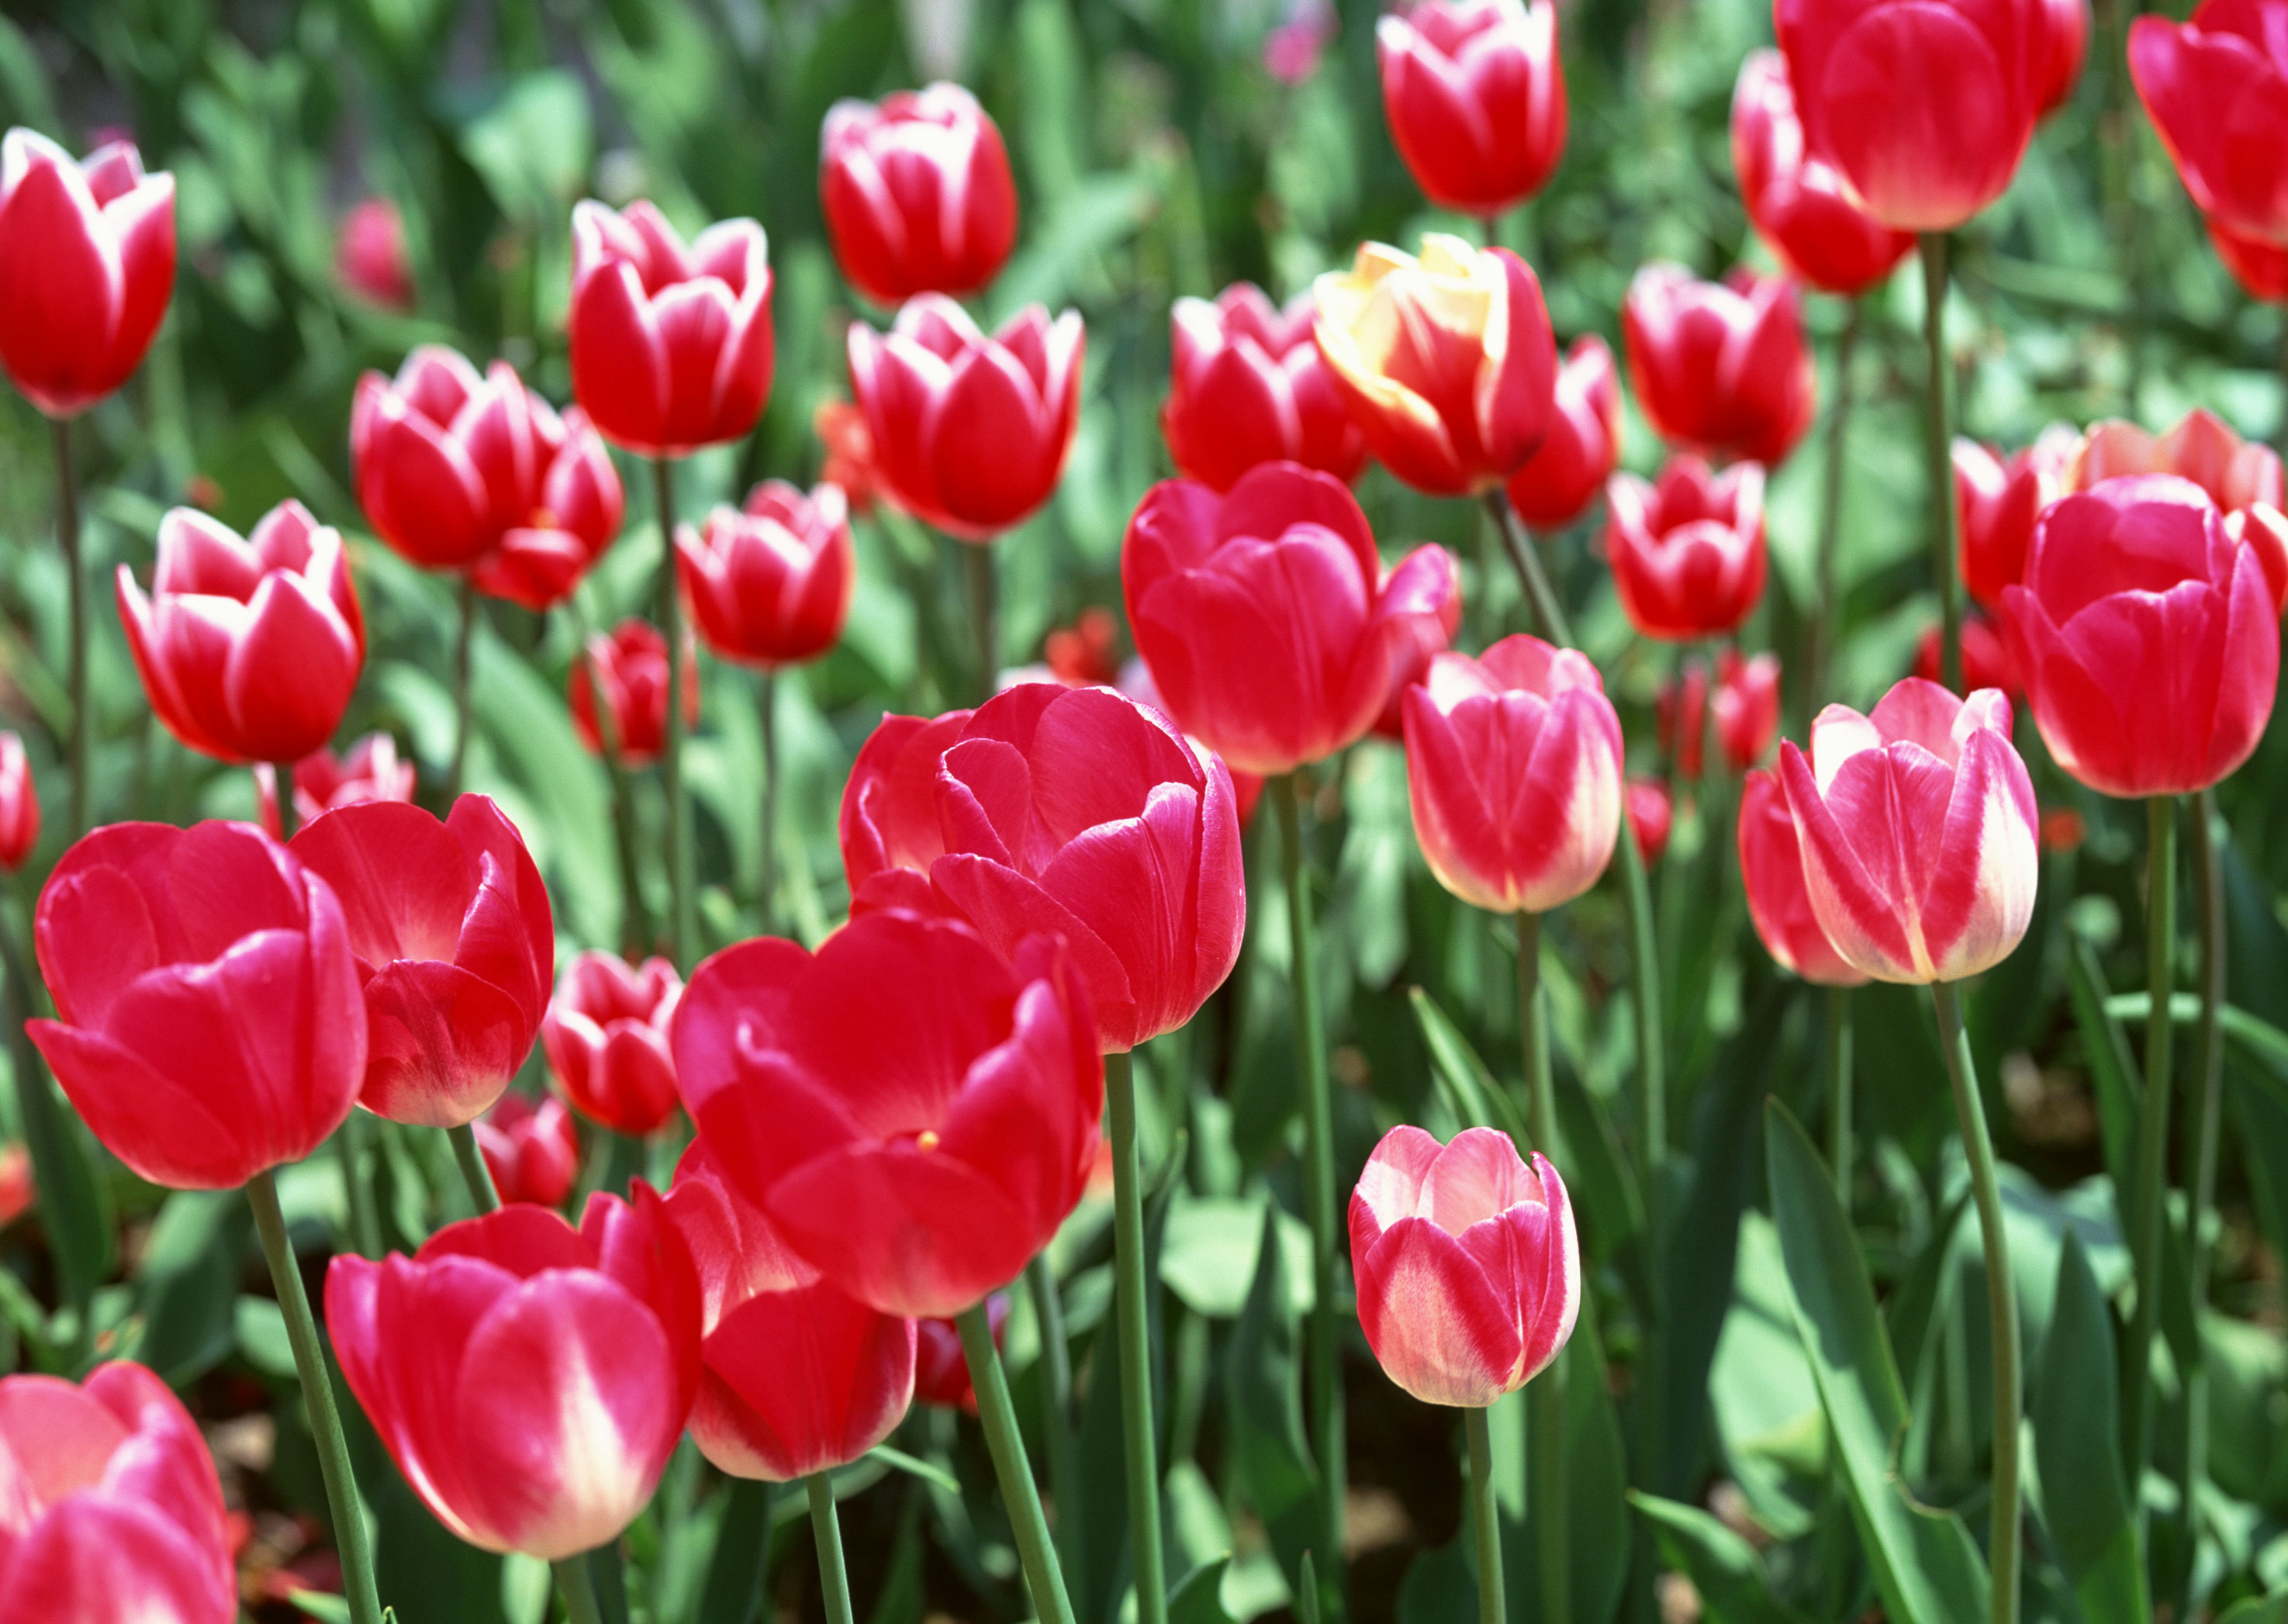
606	1037
370	770
369	257
1798	204
917	194
19	804
1688	554
1651	815
531	1149
1997	501
1771	868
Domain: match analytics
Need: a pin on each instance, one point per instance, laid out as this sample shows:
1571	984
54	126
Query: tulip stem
1941	464
1839	1091
683	930
833	1577
1134	1304
1485	1518
461	657
474	1173
67	541
365	1222
2001	1303
1056	1395
1828	613
1044	1579
984	607
577	1588
2207	1104
2151	1194
1527	564
318	1394
766	709
1547	1500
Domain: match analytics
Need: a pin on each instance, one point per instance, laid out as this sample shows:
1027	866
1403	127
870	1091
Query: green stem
2151	1194
2001	1304
281	778
1942	463
1548	1501
577	1588
1827	614
67	541
683	926
474	1173
766	709
1527	564
350	1144
1644	966
2207	1106
1839	1091
1044	1579
984	607
1134	1305
461	659
635	918
318	1396
833	1577
1485	1520
1056	1397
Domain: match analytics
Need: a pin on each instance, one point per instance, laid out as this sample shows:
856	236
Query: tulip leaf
927	1471
1471	1091
2076	1444
2271	1609
1596	1507
322	1606
1441	1584
1199	1599
1272	1461
734	1589
187	1282
1725	1569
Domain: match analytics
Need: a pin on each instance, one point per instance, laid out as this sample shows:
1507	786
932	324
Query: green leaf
2111	1065
1724	1568
322	1605
1199	1599
1470	1089
1440	1586
187	1282
924	1469
1275	1472
531	147
2075	1442
261	1336
1597	1514
1209	1256
2271	1609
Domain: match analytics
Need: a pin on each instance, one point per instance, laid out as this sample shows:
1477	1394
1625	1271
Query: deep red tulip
1650	815
115	1513
2065	26
1720	368
19	804
941	1368
1917	826
671	345
606	1037
915	1115
1246	384
370	770
917	192
1558	482
1076	810
1771	869
1688	554
2217	91
1475	99
209	1018
769	583
1797	203
1997	501
1266	619
1469	1266
249	649
1986	658
2259	265
2148	637
531	1148
633	663
87	265
969	431
530	1380
369	257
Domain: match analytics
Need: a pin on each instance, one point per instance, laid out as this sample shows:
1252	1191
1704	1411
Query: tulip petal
1437	1325
801	1381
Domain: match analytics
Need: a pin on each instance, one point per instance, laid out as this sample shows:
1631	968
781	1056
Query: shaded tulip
1447	361
1270	628
369	257
530	1380
1799	205
2065	26
1559	482
2259	265
209	1020
1986	658
1073	810
769	583
633	662
115	1513
2148	637
1469	1267
2216	89
1917	825
19	804
1720	368
1688	554
605	1037
941	1368
370	770
917	192
531	1149
249	650
1771	870
1997	501
1246	384
841	428
915	1113
87	265
18	1188
1475	99
1650	814
1085	654
671	345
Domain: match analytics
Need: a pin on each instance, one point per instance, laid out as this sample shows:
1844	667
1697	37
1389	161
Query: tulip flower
1293	49
530	1380
1267	622
18	1189
769	583
1986	658
1469	1267
1558	482
1082	655
19	804
2216	89
1747	711
2236	474
940	1370
87	265
632	662
917	194
370	770
531	1149
1650	814
1799	205
369	257
1688	554
1475	99
1997	501
1076	810
1447	361
1247	385
2065	26
249	650
1720	368
1917	829
849	465
914	1113
2259	265
671	345
210	1024
969	431
1771	869
2148	637
115	1512
605	1037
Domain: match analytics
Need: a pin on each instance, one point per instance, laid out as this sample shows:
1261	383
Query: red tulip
606	1035
841	428
1688	554
633	663
1720	368
941	1368
1075	811
530	1380
914	1114
115	1513
1247	385
87	265
1475	98
1917	826
1986	660
1266	619
1084	654
671	345
19	804
917	192
1771	869
2148	637
18	1189
370	770
969	431
1996	503
209	1020
1799	205
249	650
369	257
1747	711
2235	473
2217	91
2259	267
769	585
2065	25
1650	815
1469	1267
531	1149
1558	482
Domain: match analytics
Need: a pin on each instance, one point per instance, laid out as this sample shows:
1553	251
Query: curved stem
1821	635
826	1529
1044	1579
1485	1519
2151	1194
766	709
67	543
577	1588
1056	1395
682	924
461	654
1942	463
474	1173
1137	1435
984	610
1839	1091
1547	1501
1527	562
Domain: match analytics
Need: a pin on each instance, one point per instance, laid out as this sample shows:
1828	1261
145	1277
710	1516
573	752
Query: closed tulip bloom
87	265
1917	830
1688	554
917	192
2148	637
531	1149
1797	203
2216	89
19	804
1650	815
1720	368
1986	662
1475	99
1076	810
841	428
605	1034
1513	771
1447	361
538	561
1996	500
115	1513
769	583
1269	626
1246	384
1469	1268
1771	869
633	662
209	1021
1084	654
1559	482
915	1113
671	345
530	1380
249	650
370	770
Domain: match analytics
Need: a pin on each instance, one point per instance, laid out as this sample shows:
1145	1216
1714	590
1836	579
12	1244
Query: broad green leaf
2112	1069
1199	1599
1440	1586
1597	1528
260	1332
2076	1444
187	1282
1724	1568
1210	1256
2271	1609
1264	1380
1470	1087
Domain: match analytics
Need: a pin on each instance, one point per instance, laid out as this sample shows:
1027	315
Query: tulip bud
19	804
606	1037
1558	482
1247	385
849	465
1650	814
917	194
370	770
2213	88
1997	501
1747	711
1720	368
769	585
1771	869
1475	99
941	1368
369	257
1688	554
532	1150
1798	204
632	664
